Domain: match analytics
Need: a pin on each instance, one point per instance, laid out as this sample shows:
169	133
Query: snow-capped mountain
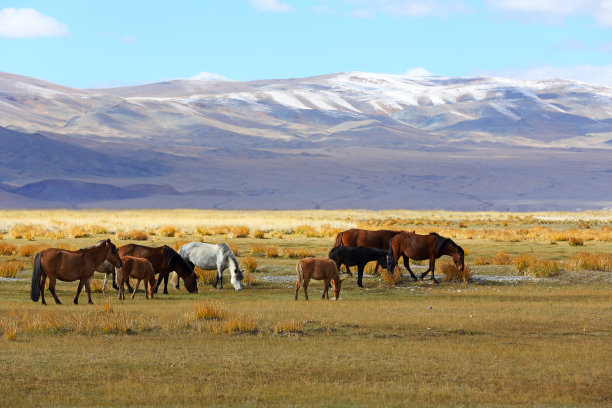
375	117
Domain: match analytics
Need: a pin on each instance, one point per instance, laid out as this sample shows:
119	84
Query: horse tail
300	272
338	241
36	274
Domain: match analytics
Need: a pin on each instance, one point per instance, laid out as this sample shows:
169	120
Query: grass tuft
297	253
208	311
134	235
452	273
250	264
292	326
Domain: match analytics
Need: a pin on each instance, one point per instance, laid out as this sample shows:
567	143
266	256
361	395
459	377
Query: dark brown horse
69	266
164	260
409	245
356	237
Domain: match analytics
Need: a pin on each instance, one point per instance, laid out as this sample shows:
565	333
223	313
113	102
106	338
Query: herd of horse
353	247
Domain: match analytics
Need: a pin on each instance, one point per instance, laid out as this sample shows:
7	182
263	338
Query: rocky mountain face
349	140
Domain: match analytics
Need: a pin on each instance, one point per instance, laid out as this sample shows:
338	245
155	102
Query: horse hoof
76	302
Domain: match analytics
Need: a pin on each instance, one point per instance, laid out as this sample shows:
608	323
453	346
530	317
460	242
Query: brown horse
321	269
164	260
421	247
137	268
69	266
356	237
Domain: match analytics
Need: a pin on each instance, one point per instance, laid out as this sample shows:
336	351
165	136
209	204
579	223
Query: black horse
357	256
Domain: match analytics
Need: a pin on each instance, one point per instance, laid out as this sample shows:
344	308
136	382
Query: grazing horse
164	260
137	268
69	266
356	237
209	257
320	269
409	245
360	256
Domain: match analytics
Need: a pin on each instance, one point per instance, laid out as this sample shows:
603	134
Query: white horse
210	256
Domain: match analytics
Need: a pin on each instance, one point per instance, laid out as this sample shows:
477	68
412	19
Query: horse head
236	278
458	256
112	255
183	269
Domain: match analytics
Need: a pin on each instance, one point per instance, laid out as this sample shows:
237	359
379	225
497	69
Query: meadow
531	325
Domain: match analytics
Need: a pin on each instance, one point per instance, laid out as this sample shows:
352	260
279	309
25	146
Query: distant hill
347	140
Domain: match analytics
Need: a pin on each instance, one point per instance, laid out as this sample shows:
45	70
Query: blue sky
86	43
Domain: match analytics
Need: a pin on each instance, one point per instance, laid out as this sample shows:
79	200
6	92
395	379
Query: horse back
378	239
155	255
139	268
318	268
415	246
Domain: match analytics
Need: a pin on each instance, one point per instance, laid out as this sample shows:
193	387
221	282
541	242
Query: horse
69	266
211	256
409	245
320	269
164	260
137	268
360	256
356	237
108	269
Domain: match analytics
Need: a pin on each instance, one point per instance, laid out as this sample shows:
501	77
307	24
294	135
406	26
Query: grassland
537	342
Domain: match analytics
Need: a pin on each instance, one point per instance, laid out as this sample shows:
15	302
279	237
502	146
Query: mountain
352	139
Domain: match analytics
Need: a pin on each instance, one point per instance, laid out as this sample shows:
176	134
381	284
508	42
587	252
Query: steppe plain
502	338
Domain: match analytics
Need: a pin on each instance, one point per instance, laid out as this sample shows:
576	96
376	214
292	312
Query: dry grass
591	261
96	285
269	251
208	311
28	250
78	231
250	264
206	276
248	279
168	231
236	325
291	326
107	306
391	279
9	269
573	241
133	235
179	243
259	234
538	268
297	253
452	273
238	232
7	248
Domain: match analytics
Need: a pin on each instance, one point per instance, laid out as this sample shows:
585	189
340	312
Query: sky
97	44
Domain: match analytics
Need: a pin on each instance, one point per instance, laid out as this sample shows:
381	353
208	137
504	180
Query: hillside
348	140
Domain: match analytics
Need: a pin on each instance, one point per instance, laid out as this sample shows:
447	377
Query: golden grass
538	268
78	231
238	232
96	285
297	253
452	273
250	264
234	248
391	279
236	325
591	261
134	235
206	276
7	248
291	326
9	269
208	311
28	250
573	241
248	279
168	231
107	306
259	234
179	243
270	251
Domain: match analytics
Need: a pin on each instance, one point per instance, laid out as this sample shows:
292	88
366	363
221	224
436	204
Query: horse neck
232	263
178	267
98	254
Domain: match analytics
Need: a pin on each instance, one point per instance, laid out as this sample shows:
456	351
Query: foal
137	268
321	269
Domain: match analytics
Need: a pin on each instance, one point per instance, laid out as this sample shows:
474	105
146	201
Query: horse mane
228	251
441	241
173	257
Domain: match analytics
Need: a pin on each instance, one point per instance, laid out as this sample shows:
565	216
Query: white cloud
592	74
273	6
600	10
29	23
417	72
408	8
207	76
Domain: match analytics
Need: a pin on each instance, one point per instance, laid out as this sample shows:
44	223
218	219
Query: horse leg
43	280
433	268
306	288
52	290
360	275
105	282
114	280
325	289
166	283
407	265
297	288
348	270
376	269
220	276
88	290
136	288
76	298
178	281
159	280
